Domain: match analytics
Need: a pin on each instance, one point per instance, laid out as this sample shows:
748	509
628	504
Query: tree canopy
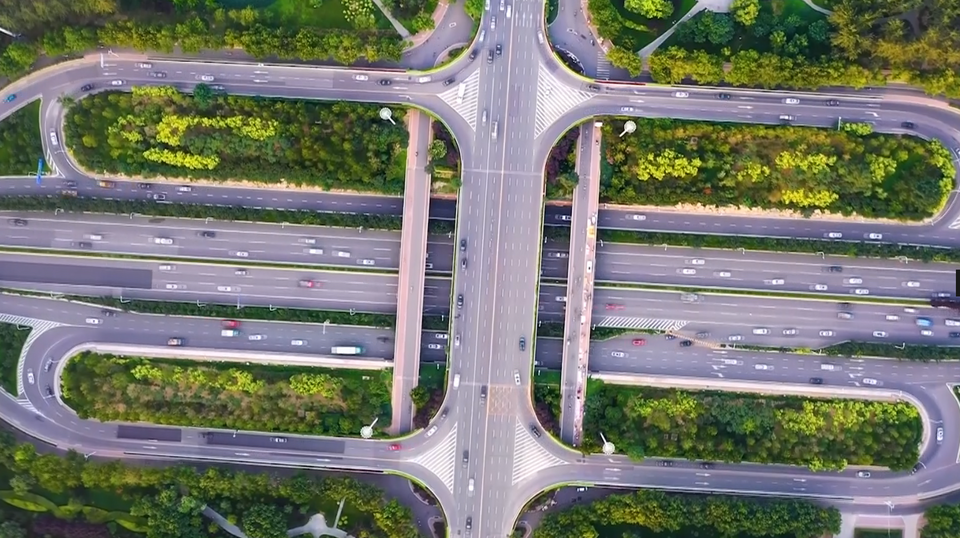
226	395
668	162
726	426
21	145
160	131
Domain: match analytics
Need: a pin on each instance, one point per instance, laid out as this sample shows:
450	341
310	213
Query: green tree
745	12
12	529
170	515
264	521
626	59
653	9
437	150
22	483
943	521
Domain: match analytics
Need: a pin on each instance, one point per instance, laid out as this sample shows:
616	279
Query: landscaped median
73	204
763	423
231	395
859	249
12	340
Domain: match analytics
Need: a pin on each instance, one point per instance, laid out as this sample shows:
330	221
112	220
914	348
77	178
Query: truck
229	332
346	350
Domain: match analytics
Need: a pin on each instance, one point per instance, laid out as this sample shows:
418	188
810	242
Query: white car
618	354
732	362
861	291
939	435
317	251
951	322
469	483
875	236
774	282
361	77
94	237
255	337
688	271
790	332
561	298
762	367
163	240
761	330
94	321
827	333
879	334
722	274
309	240
116	83
172	286
516	377
681	94
431	431
483	34
926	332
509	11
493	23
638	217
626	109
225	288
54	140
892	317
367	262
503	5
184	188
540	37
144	65
735	338
854	280
819	287
206	78
911	284
434	346
167	267
441	336
30	378
791	101
242	254
870	381
342	254
696	261
909	310
297	342
834	235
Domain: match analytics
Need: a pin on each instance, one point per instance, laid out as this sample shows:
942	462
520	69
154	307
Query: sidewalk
421	37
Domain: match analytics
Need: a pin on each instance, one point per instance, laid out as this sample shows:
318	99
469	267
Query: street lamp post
367	431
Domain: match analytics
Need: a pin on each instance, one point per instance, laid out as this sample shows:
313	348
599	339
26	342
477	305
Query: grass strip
856	249
207	261
853	349
12	340
554	329
754	293
81	204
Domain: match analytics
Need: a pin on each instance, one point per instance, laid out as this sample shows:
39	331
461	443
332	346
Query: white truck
229	332
346	350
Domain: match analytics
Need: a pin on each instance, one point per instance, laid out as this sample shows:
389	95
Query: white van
456	381
509	11
493	131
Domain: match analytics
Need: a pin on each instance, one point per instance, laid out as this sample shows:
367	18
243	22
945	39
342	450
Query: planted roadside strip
291	399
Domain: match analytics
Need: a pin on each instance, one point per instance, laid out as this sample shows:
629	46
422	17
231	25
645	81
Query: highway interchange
499	218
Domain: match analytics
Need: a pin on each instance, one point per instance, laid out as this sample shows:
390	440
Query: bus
347	350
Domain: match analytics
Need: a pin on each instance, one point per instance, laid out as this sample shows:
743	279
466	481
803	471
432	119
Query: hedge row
908	352
812	246
223	213
554	329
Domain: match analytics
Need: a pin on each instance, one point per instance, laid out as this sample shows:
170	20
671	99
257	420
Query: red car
307	284
639	342
230	324
394	447
611	306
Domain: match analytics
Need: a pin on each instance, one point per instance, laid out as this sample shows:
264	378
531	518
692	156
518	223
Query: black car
844	306
833	102
917	467
489	56
208	233
49	390
466	457
523	343
460	301
449	81
724	96
593	87
473	54
670	337
86	87
816	381
18	222
907	125
706	465
463	263
499	50
385	82
443	414
834	269
463	245
159	196
144	186
665	463
686	343
109	313
84	244
955	334
535	431
469	523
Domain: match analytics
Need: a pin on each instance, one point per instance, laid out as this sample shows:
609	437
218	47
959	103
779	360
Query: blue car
924	322
10	98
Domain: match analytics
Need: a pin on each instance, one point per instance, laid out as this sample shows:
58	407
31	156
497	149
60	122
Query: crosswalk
652	324
955	224
39	327
554	99
465	105
603	65
441	459
528	456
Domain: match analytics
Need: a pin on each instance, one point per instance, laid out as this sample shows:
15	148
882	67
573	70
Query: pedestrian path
603	65
554	99
529	457
39	327
653	324
441	459
465	105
